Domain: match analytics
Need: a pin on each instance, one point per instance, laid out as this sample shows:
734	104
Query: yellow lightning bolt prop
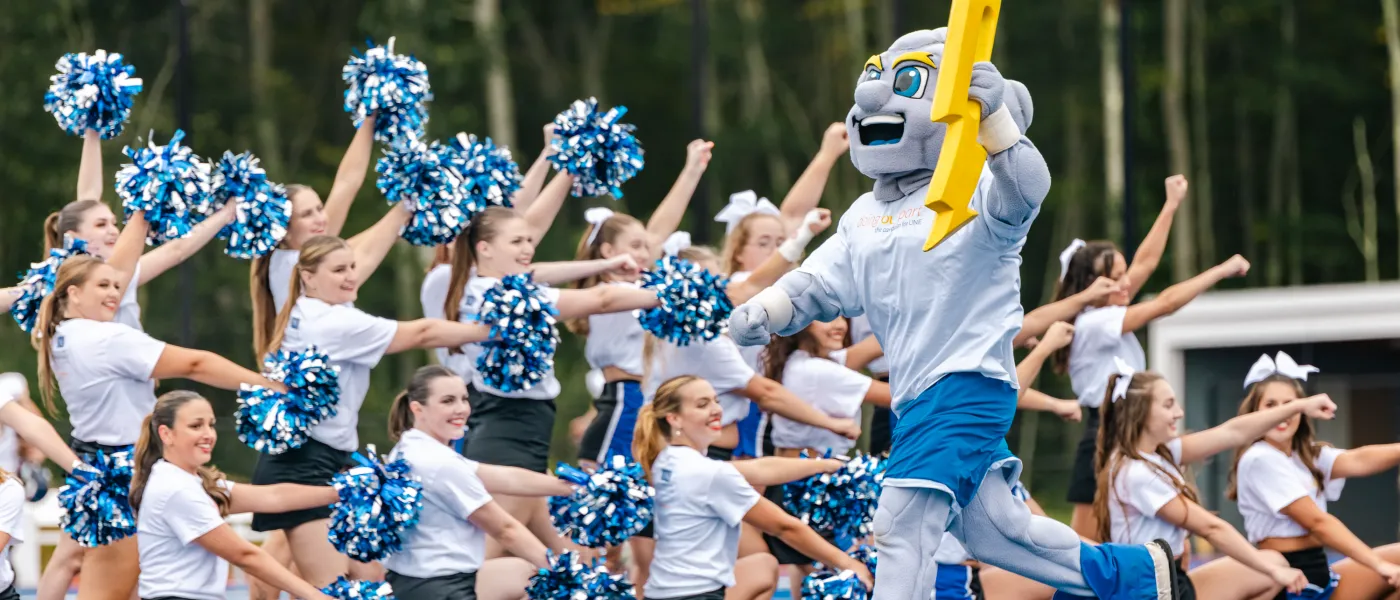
972	26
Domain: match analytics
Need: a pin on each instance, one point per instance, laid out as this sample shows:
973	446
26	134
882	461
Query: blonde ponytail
313	252
74	273
653	432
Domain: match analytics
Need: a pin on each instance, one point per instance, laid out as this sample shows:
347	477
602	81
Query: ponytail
67	219
312	253
264	307
590	247
52	238
482	228
150	449
401	413
73	273
653	432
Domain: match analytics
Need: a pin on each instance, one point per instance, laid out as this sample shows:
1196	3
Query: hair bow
678	241
1125	378
1281	364
595	217
1068	254
743	204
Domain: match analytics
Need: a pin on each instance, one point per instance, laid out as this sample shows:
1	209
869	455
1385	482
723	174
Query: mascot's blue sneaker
1123	572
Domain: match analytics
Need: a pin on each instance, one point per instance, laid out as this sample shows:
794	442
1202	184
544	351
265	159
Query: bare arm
546	206
373	244
777	470
1033	399
1190	516
1245	429
349	177
555	273
1029	368
772	397
770	519
174	252
535	176
8	296
1366	461
806	192
1334	534
604	299
207	368
1039	320
860	354
514	481
1177	296
90	167
436	333
787	257
512	535
223	542
667	217
879	394
279	497
130	245
38	432
1154	245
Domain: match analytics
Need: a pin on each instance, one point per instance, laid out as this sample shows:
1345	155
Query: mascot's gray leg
909	524
998	529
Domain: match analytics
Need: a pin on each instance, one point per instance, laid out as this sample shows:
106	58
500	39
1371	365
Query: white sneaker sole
1162	569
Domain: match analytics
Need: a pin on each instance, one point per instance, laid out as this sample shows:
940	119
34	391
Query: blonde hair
652	431
74	273
313	253
260	289
590	247
150	449
736	240
67	219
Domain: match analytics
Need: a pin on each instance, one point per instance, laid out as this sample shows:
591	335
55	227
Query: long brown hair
607	233
735	241
483	227
401	413
652	431
1120	429
150	449
1305	445
775	355
260	290
313	253
1089	263
67	219
74	273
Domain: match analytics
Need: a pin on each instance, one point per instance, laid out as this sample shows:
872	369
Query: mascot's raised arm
946	319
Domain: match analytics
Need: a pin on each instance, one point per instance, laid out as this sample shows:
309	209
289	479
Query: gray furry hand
987	87
748	325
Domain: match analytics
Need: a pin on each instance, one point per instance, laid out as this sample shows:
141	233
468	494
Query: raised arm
1154	245
515	481
806	192
373	244
556	273
174	252
225	543
1245	429
130	245
90	168
511	534
1058	336
436	333
667	217
1366	461
820	290
1039	320
546	206
770	519
777	470
1222	536
1335	535
772	397
349	177
777	264
1177	296
280	497
601	299
535	176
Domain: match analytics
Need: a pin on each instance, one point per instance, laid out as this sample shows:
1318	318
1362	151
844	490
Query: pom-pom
262	210
827	584
379	503
170	183
599	151
568	578
37	283
839	505
392	85
492	175
274	422
350	589
92	92
429	180
609	506
523	335
693	302
1317	592
96	508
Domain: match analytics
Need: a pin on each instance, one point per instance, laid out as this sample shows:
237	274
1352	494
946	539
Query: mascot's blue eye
909	82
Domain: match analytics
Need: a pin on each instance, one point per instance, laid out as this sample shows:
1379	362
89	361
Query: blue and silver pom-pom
840	505
274	422
493	178
262	210
429	180
568	578
610	505
392	85
693	302
96	508
524	334
596	148
379	503
170	183
92	91
559	511
827	584
37	283
351	589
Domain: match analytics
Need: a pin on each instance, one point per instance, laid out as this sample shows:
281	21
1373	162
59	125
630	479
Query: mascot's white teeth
881	130
882	120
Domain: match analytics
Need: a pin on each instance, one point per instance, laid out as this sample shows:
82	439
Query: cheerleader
181	502
701	503
1144	494
325	282
12	500
881	418
29	426
1284	481
1057	336
444	556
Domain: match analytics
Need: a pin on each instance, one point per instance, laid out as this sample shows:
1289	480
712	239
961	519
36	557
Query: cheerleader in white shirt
1144	495
181	502
325	283
1284	481
444	556
701	503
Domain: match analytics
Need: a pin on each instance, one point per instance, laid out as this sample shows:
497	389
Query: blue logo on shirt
665	476
296	321
58	341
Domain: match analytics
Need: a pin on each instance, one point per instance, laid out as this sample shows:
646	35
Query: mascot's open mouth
881	130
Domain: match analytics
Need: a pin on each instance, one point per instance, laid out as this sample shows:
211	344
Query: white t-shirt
433	296
104	370
355	342
955	308
1138	493
829	387
1269	481
1098	337
11	385
860	329
700	504
444	542
176	511
279	274
12	499
129	311
546	389
717	361
615	340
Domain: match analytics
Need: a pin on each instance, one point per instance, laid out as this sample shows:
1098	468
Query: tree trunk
1202	182
1244	167
260	33
1279	157
758	96
1111	82
1178	135
1392	45
1365	231
500	106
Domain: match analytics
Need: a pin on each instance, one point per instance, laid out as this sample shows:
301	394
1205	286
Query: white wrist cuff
793	247
777	304
999	131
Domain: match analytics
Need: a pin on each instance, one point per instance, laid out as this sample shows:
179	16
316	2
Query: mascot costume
946	319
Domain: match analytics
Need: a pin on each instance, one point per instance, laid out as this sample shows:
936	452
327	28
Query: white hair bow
743	204
678	241
1067	255
1125	377
1281	364
595	217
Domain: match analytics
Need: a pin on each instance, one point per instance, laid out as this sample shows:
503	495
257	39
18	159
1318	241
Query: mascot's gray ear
1018	101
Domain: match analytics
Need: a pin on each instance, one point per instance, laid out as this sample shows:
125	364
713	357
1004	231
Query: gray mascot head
889	127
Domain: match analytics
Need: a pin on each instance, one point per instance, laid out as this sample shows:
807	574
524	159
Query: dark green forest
1279	112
